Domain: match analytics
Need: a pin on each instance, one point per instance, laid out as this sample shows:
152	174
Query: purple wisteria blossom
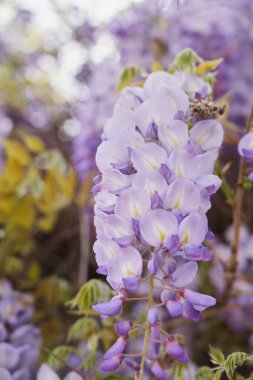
245	149
159	33
20	341
46	373
150	212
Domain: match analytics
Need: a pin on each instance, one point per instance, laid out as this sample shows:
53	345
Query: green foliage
59	356
92	292
82	329
186	60
204	373
35	184
216	356
233	361
226	366
225	187
128	76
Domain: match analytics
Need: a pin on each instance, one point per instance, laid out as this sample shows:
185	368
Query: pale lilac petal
128	263
117	227
72	376
151	181
158	371
185	274
118	123
174	308
105	249
182	194
152	110
157	225
148	156
110	308
182	164
193	228
113	181
5	374
246	145
9	356
156	80
173	135
210	182
176	98
132	203
152	316
46	373
110	152
208	134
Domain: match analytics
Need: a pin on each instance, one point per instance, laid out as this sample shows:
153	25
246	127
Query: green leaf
233	361
218	374
89	361
186	60
82	329
216	356
204	373
92	292
128	76
59	355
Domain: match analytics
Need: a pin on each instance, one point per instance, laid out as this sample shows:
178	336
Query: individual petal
105	249
174	308
172	135
151	181
21	374
172	243
175	350
105	202
155	337
184	274
114	182
72	376
111	364
175	98
123	328
156	80
245	146
117	348
198	300
158	371
111	152
197	253
152	316
46	373
5	374
128	263
208	134
9	356
190	312
116	151
182	194
132	203
132	364
116	227
122	121
157	225
209	182
182	163
148	156
110	308
193	228
152	111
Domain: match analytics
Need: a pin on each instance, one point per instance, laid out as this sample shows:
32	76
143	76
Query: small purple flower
175	350
111	364
111	308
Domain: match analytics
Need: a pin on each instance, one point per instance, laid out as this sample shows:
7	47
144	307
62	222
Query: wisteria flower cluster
20	341
156	165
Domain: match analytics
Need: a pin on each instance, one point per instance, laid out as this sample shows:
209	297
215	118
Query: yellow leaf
22	214
206	66
16	151
33	143
47	223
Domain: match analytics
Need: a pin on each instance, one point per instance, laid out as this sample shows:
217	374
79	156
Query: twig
147	330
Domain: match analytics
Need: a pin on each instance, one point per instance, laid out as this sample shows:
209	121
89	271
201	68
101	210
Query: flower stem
147	329
237	216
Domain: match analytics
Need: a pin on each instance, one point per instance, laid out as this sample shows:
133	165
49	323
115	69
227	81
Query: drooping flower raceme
19	340
156	165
